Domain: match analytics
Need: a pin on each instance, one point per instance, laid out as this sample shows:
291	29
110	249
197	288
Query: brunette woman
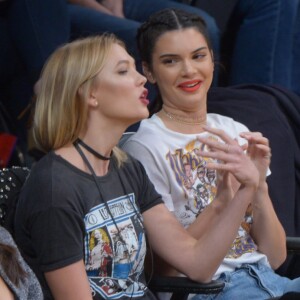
178	58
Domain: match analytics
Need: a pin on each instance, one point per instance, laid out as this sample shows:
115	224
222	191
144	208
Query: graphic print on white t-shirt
199	187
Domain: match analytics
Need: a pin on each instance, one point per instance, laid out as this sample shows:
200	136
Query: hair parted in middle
163	21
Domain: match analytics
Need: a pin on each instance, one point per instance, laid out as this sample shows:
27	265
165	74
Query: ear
92	99
148	73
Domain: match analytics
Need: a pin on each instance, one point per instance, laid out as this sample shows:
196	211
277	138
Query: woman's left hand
259	151
229	156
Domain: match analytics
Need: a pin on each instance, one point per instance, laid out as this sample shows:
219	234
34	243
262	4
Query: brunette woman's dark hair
11	265
159	23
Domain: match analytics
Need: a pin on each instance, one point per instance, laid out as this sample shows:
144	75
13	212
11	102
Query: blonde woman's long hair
61	109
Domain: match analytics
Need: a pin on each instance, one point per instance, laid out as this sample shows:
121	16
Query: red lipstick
143	97
190	86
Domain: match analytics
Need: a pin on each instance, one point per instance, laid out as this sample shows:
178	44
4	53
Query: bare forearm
207	220
223	228
212	213
69	283
226	214
267	230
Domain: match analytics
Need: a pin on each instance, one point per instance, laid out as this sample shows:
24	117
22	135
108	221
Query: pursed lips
143	97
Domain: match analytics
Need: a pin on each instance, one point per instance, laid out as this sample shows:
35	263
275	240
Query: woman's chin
138	118
143	115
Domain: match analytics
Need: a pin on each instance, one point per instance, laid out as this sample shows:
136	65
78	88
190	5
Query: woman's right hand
229	157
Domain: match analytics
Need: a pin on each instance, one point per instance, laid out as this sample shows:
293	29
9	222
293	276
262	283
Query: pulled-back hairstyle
61	107
159	23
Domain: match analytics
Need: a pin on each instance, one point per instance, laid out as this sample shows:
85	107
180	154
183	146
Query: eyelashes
169	61
123	72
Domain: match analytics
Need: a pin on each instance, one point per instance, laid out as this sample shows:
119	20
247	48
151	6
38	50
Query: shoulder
133	166
51	171
225	123
39	182
53	183
148	128
5	237
136	174
41	170
151	137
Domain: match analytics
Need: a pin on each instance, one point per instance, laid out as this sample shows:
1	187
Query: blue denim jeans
266	49
253	281
37	28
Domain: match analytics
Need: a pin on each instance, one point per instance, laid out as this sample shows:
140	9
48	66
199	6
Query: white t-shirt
179	175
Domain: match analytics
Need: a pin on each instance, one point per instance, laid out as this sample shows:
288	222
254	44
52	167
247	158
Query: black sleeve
57	237
49	218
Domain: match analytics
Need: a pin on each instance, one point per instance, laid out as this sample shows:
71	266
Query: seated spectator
187	154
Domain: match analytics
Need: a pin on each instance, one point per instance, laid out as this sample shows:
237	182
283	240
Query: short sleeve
147	196
57	237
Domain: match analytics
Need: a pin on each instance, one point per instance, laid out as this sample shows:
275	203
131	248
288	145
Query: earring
96	103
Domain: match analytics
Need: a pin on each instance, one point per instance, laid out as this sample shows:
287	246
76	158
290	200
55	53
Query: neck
92	151
187	120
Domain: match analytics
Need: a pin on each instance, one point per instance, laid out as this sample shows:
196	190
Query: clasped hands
248	163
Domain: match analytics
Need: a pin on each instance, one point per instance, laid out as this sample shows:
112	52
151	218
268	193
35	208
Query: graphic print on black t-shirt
114	258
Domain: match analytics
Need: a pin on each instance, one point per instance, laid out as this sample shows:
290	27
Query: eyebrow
171	55
125	61
120	62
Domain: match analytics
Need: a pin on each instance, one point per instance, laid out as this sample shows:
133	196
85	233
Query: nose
141	79
188	68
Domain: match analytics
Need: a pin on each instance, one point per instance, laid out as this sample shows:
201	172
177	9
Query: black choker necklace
91	150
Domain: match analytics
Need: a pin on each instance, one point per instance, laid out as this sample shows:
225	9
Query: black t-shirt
62	218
